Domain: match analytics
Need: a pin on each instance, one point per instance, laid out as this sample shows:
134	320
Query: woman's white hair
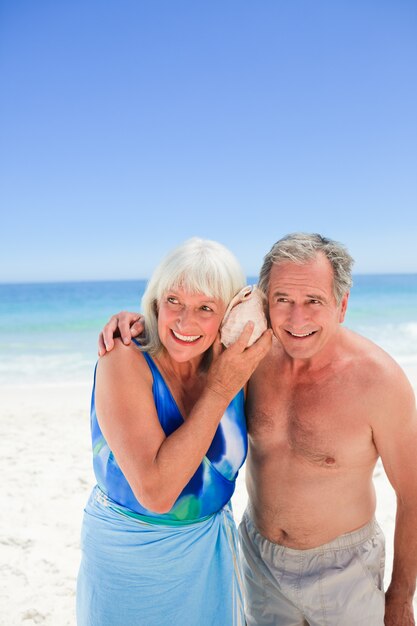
197	266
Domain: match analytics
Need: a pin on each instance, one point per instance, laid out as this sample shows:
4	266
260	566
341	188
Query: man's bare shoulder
375	367
273	359
268	369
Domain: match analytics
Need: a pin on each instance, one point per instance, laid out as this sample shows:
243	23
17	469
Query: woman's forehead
190	293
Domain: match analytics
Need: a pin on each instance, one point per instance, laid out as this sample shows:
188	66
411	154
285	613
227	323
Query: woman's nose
184	316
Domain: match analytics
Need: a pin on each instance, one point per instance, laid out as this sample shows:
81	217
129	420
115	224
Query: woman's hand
125	325
233	367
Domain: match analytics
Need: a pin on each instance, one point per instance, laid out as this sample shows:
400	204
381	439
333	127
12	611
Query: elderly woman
169	436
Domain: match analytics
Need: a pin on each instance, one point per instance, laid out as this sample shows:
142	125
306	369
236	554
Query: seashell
247	305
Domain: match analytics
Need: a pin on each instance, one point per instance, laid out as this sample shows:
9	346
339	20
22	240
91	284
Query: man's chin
300	348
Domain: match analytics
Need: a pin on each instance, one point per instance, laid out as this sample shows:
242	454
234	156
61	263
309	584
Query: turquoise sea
48	331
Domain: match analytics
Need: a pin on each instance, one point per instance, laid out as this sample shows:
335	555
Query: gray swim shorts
337	584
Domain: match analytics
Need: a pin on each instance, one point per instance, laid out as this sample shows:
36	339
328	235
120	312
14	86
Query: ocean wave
54	359
411	327
52	367
399	340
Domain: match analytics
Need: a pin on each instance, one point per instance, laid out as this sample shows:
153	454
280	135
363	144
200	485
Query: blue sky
129	126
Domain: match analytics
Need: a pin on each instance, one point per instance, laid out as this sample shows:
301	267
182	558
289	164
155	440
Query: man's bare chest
323	424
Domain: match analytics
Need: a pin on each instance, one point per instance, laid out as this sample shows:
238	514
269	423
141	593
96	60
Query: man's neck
319	362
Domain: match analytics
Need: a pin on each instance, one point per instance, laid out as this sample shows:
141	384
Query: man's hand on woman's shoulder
125	325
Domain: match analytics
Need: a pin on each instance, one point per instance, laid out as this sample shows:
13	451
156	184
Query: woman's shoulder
124	362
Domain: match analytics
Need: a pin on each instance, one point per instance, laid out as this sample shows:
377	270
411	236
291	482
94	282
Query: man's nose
298	315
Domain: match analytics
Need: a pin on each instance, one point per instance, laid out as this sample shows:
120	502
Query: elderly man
322	407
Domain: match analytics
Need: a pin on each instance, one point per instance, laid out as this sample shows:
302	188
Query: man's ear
343	307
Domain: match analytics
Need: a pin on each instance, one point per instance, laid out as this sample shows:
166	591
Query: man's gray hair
197	266
302	248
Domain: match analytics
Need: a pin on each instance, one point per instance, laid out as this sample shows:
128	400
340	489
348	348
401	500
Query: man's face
303	311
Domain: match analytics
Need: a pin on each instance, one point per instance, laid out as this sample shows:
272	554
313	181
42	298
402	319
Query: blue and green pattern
213	483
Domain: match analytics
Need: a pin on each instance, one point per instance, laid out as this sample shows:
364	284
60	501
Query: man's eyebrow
314	296
311	296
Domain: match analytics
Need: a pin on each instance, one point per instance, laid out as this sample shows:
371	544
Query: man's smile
300	335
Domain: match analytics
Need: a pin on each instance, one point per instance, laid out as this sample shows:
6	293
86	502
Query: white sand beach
45	466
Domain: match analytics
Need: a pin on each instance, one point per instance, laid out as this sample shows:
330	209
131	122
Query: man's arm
395	435
125	325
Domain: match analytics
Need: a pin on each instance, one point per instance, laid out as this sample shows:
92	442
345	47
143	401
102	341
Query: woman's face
188	323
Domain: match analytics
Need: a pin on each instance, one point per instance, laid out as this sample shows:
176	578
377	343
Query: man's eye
282	300
315	302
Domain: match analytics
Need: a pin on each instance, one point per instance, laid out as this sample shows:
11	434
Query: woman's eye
206	308
172	300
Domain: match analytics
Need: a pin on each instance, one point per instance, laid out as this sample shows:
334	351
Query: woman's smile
185	338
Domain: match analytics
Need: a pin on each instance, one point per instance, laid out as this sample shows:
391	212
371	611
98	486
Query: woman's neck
183	372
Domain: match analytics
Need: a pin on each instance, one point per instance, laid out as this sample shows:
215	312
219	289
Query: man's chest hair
314	423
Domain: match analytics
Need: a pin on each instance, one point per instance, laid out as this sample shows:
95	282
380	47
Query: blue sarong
134	572
178	568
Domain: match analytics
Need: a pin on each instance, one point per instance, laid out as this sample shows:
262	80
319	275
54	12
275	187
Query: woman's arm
158	467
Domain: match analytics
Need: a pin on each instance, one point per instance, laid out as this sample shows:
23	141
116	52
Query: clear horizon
128	280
